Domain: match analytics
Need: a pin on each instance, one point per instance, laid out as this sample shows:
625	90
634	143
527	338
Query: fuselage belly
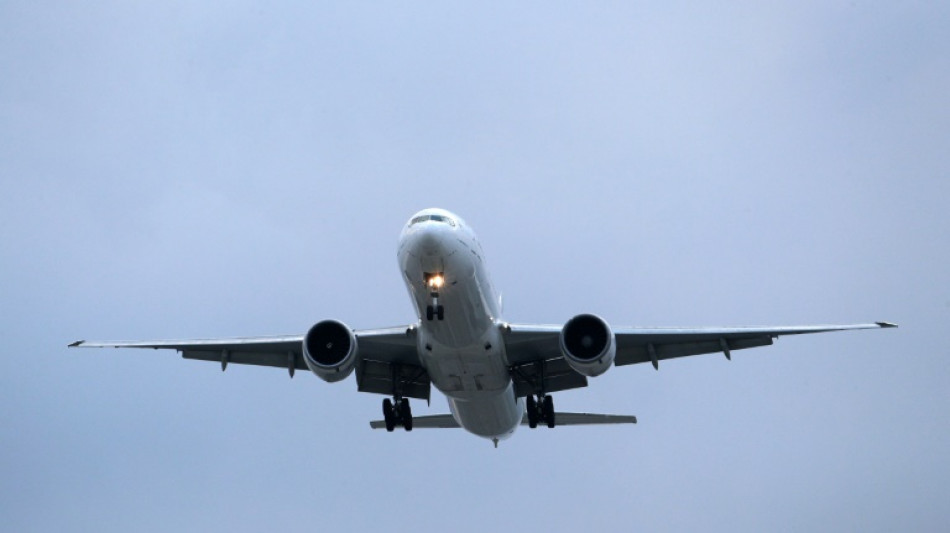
461	346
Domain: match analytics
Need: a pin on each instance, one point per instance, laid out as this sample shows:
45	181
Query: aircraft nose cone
428	241
431	245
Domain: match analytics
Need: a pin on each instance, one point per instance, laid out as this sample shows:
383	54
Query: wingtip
74	344
886	324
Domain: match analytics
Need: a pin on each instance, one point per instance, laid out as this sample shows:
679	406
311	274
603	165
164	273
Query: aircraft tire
405	412
548	411
532	407
388	415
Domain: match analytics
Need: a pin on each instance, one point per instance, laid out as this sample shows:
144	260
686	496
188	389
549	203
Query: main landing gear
540	410
399	414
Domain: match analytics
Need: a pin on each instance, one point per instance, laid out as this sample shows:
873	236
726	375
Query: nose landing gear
435	311
434	282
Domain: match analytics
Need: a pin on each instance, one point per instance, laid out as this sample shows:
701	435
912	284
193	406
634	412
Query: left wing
535	358
384	355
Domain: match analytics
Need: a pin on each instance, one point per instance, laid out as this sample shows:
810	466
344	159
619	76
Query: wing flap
259	351
268	358
630	352
547	375
383	377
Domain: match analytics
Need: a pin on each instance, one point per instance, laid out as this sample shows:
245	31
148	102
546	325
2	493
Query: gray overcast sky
222	169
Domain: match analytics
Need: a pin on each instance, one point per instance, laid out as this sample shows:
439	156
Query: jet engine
588	344
329	349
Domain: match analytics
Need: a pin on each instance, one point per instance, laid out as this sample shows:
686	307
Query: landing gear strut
434	281
540	410
435	311
399	414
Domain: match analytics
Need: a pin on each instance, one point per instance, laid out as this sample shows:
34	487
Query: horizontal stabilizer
587	419
433	421
563	419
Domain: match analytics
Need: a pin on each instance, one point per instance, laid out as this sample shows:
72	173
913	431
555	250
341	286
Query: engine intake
329	349
588	344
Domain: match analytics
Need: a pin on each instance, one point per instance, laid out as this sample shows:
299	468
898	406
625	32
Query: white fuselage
464	353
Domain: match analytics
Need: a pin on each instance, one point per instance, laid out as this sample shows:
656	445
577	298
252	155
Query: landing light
436	281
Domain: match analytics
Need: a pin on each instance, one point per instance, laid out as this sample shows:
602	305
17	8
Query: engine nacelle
329	349
588	344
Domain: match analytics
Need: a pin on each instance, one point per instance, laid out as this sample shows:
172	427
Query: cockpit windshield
435	218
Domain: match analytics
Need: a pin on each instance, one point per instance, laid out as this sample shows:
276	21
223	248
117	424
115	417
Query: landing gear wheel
547	410
389	415
532	408
440	312
430	312
405	413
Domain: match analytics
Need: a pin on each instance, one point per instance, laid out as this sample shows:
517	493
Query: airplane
496	375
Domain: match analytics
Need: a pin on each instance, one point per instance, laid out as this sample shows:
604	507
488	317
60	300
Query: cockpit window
435	218
442	218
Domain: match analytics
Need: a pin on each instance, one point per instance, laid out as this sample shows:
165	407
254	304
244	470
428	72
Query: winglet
886	324
74	344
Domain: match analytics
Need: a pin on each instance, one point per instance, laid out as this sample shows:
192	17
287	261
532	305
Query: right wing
279	351
651	345
536	362
385	356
